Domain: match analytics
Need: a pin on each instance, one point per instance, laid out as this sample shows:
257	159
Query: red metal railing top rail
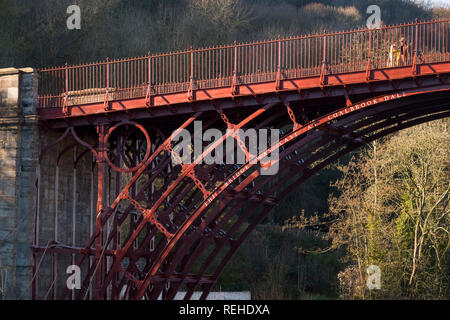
243	63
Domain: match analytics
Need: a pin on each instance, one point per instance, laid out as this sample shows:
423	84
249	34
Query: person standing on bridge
393	56
404	51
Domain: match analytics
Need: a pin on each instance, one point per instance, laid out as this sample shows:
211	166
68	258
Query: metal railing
243	63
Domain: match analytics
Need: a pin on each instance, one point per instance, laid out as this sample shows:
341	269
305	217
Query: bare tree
392	211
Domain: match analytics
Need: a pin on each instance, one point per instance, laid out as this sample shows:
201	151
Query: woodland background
386	204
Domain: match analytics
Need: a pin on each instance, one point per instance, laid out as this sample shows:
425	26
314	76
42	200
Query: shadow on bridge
162	227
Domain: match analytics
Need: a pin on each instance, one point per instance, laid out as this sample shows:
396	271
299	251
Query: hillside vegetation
34	33
294	254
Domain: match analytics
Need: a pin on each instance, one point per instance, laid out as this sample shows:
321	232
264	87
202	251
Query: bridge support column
18	159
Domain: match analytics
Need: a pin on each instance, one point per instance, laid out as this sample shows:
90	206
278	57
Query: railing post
66	95
324	61
148	97
191	79
278	80
106	103
414	64
234	90
99	260
369	56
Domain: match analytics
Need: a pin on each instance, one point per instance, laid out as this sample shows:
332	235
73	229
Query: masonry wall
22	139
18	158
58	196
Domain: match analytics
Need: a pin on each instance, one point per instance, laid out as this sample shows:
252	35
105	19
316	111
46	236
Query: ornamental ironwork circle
129	147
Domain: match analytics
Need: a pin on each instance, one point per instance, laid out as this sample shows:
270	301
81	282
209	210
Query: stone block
23	276
18	156
7	253
24	255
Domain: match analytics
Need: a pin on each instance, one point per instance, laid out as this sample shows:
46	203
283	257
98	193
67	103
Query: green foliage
392	211
271	264
404	224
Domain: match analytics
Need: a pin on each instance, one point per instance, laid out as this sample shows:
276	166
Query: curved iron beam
316	123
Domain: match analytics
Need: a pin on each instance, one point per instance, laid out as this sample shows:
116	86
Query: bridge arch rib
161	227
347	134
178	228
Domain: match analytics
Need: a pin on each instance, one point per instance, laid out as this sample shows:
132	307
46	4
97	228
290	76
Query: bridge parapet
242	64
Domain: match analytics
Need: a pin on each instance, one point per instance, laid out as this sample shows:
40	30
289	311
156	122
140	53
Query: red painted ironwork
157	222
248	63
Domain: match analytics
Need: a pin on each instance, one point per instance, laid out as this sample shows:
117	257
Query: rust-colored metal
212	67
157	221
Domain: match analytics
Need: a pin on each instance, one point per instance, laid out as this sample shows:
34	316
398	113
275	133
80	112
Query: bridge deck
152	84
157	227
